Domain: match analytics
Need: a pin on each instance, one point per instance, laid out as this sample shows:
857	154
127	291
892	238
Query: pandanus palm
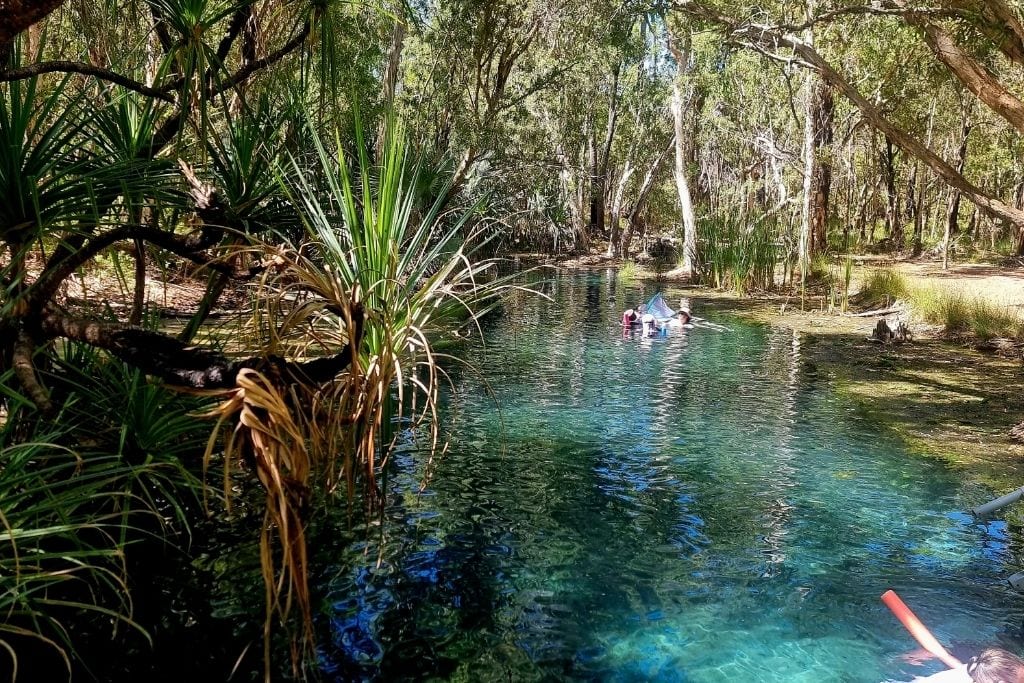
412	269
105	474
371	252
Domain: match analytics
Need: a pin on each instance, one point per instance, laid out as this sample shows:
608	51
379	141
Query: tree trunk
910	203
681	53
822	112
599	159
919	209
862	211
892	203
810	170
918	238
975	76
389	83
953	209
642	194
615	214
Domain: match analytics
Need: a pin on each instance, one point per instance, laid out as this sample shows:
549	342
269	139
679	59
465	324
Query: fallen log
879	311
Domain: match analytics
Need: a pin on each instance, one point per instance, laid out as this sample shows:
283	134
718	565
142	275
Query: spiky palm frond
46	172
77	494
69	520
412	269
245	160
370	248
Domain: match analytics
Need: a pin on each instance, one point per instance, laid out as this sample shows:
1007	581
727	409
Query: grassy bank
946	305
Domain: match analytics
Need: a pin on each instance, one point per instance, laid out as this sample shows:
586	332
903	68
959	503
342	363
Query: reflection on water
692	508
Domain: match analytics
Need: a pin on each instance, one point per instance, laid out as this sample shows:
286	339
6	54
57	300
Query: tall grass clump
628	271
736	254
940	306
883	287
839	284
989	320
959	313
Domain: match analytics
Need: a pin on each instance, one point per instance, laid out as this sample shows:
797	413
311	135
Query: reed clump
736	253
883	287
628	271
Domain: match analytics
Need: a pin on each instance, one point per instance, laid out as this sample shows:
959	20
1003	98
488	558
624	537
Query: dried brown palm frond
290	427
268	437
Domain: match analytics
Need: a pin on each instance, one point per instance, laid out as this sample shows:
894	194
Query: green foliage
43	175
989	320
882	287
737	254
959	313
245	160
81	490
628	271
412	269
942	306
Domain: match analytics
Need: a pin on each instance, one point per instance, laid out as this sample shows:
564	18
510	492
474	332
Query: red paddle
921	634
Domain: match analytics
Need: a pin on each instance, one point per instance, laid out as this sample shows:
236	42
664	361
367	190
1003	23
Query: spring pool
702	507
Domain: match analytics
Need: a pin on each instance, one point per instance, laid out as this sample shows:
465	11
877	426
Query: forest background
360	164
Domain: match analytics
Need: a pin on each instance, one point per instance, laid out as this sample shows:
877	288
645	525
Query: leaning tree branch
172	126
871	8
184	366
102	74
210	210
238	21
970	72
186	246
248	70
770	39
998	22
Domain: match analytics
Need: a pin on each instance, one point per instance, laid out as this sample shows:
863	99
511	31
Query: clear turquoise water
701	507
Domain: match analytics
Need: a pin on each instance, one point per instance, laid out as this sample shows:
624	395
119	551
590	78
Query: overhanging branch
102	74
248	70
191	247
770	38
185	366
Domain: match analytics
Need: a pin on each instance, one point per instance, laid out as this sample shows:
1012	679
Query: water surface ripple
700	507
